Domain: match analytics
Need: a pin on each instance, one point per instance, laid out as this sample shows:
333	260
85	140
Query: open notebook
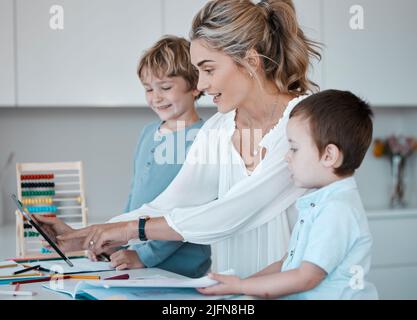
151	288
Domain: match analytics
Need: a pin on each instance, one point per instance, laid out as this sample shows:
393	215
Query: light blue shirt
150	175
158	159
332	232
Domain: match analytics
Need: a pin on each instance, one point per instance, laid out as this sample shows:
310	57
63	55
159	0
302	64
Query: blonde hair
169	57
271	28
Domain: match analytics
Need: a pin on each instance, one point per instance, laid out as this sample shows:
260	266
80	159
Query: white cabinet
90	62
377	62
7	62
394	253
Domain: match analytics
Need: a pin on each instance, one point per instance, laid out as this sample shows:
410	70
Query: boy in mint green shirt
329	254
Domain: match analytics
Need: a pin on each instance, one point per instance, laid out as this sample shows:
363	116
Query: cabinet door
7	63
377	62
394	253
90	62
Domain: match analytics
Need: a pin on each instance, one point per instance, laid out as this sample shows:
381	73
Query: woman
234	189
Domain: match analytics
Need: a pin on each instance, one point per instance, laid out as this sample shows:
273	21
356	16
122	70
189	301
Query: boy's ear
195	93
332	157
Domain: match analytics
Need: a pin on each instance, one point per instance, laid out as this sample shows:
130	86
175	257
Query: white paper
157	282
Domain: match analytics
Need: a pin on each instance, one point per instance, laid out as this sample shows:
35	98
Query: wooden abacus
51	189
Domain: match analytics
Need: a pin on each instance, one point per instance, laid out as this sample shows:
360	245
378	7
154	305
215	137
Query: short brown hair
340	118
169	57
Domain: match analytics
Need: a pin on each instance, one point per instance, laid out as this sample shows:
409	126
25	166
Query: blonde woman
234	190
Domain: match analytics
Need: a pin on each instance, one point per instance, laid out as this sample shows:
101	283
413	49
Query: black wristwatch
142	221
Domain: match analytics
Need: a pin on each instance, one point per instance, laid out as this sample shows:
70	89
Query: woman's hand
227	285
55	228
126	259
99	238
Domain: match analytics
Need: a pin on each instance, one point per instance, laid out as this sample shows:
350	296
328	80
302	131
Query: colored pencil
27	269
75	276
118	277
41	280
8	266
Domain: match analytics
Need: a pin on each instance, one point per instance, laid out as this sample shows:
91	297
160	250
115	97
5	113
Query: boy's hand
126	259
228	285
96	257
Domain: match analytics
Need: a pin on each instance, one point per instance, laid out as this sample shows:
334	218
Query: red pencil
41	280
119	277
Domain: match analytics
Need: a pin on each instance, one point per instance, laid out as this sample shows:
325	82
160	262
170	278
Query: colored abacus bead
37	185
45	250
30	234
49	215
37	201
38	193
37	176
42	209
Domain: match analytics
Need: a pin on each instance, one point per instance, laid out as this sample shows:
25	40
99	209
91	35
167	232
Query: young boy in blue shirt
170	81
329	253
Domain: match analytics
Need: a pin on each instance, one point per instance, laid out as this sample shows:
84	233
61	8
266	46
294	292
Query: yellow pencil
9	266
84	277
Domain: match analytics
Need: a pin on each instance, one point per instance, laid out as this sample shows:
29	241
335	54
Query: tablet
40	230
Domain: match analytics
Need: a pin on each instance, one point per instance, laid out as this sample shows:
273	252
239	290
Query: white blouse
213	200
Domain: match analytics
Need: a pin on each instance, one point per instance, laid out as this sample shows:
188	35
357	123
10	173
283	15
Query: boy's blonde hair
169	57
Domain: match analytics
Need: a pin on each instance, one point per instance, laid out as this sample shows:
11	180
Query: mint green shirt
332	233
